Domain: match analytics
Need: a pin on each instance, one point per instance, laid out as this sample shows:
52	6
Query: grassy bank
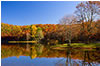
78	45
22	42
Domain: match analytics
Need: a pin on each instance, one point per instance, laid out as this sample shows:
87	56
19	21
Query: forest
81	27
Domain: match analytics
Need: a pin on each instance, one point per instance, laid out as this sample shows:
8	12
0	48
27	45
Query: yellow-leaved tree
33	31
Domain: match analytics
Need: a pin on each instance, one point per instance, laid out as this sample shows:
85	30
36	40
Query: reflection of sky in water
27	61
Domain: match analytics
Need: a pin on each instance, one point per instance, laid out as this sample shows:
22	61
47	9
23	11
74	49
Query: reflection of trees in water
87	60
36	50
85	57
27	47
39	49
68	60
33	52
58	63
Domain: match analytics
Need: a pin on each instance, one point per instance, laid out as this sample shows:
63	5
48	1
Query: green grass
79	45
22	42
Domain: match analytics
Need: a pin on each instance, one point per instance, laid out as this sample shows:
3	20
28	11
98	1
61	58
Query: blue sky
35	12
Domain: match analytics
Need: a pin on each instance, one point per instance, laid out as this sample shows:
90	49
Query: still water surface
40	55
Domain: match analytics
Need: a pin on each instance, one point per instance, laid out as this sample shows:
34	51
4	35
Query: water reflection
38	54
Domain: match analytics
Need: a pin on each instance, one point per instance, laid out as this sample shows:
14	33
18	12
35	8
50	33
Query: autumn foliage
87	27
51	31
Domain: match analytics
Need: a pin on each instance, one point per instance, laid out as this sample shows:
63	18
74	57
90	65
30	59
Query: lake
40	55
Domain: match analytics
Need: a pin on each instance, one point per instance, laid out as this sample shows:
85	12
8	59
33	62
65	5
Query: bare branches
68	20
88	11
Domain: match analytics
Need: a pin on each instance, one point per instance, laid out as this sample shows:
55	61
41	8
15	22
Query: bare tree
88	12
67	23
